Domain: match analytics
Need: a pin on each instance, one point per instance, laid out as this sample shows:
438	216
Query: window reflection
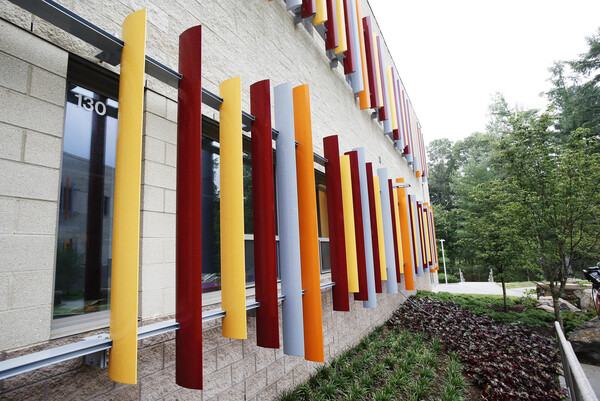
83	256
211	246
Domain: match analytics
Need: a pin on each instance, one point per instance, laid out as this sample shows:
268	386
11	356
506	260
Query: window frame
105	83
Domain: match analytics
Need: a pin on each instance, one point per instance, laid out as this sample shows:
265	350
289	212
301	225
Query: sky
453	56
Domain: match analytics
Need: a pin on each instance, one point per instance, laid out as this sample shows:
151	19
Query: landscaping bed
435	349
521	311
507	361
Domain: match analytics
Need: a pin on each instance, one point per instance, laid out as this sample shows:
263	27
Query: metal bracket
98	359
321	30
298	16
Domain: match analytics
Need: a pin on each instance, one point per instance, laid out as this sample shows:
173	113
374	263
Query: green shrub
571	320
521	309
451	278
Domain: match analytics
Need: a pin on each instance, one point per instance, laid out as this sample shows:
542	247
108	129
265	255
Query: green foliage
388	364
575	94
522	197
555	183
521	310
69	270
450	277
572	320
520	284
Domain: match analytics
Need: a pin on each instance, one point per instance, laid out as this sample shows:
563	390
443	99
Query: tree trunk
504	292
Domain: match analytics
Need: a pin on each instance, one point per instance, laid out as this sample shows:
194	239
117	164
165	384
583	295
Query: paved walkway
484	288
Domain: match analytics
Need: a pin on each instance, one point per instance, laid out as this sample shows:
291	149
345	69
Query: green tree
555	183
575	95
442	167
495	229
474	155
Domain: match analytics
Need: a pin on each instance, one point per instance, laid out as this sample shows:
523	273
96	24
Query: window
211	247
84	240
323	220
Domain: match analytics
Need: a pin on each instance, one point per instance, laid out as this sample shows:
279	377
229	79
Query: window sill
68	326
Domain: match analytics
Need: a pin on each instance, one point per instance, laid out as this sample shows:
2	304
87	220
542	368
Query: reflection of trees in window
95	204
247	182
211	256
211	246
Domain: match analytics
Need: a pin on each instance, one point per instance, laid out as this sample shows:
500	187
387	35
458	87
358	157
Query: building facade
59	106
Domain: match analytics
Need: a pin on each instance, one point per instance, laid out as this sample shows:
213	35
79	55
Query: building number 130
90	104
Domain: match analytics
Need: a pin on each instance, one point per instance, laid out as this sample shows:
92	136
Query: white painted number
89	104
100	108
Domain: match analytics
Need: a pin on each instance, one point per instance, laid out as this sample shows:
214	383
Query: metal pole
444	259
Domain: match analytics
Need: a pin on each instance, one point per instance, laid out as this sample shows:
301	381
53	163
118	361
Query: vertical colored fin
337	239
233	272
371	302
388	234
394	215
421	236
378	75
384	111
409	281
293	5
382	260
349	229
371	62
364	95
309	231
331	29
390	82
362	294
188	255
263	207
126	220
414	222
399	233
341	27
349	61
376	238
287	209
321	12
309	8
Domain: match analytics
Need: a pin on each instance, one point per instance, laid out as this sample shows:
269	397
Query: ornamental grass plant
389	364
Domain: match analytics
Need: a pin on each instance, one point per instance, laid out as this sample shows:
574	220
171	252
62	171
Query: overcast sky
452	56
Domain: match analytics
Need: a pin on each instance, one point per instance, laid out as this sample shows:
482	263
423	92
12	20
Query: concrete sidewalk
482	288
485	288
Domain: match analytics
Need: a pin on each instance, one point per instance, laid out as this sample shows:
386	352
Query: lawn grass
518	284
521	310
389	364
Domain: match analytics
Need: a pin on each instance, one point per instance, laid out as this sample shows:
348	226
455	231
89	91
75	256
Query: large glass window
83	252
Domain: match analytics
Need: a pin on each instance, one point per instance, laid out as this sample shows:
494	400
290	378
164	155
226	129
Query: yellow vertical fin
126	218
233	272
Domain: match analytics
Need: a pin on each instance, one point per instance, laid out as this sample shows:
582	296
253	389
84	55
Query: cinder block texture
32	96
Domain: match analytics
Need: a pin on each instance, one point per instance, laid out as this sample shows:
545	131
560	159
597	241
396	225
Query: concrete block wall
157	220
233	369
32	92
